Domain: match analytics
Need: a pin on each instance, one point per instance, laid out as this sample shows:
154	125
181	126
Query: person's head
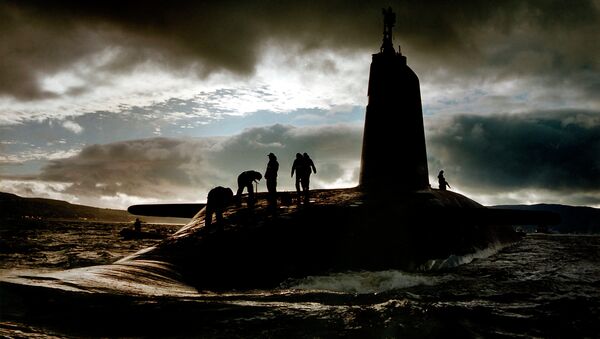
257	175
228	193
298	156
306	155
441	173
137	219
272	156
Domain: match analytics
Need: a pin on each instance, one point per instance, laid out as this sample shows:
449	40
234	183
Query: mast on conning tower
389	20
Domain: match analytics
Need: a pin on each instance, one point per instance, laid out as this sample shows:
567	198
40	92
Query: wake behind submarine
392	220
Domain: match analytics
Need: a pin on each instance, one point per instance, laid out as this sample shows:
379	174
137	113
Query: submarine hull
340	230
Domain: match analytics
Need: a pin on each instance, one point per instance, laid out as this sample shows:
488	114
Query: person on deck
246	180
309	168
299	166
271	177
217	201
442	181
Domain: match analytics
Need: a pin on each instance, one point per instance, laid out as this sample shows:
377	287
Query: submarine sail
393	131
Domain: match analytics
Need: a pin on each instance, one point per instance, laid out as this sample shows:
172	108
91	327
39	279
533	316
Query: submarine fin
166	210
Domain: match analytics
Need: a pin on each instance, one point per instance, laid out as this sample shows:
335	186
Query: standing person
246	180
442	181
299	167
309	168
218	199
271	177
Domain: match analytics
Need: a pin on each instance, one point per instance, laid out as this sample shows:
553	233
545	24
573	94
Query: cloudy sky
110	103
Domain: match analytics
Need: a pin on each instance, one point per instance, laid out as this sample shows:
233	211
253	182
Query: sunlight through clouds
282	82
96	79
37	154
38	188
72	126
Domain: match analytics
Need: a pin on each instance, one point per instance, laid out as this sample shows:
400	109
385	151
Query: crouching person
218	200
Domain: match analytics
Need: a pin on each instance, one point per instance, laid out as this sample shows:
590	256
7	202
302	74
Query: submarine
393	219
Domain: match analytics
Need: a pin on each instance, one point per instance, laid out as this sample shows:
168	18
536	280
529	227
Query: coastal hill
15	207
574	219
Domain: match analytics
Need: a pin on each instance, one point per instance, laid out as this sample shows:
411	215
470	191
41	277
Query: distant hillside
14	206
574	219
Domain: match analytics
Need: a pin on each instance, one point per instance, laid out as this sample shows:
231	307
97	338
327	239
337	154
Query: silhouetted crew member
309	168
137	225
217	201
299	166
271	177
442	181
246	180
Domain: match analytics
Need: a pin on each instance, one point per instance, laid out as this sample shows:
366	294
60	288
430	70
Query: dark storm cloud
515	37
148	167
166	168
557	151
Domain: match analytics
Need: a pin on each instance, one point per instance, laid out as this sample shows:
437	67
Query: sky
113	103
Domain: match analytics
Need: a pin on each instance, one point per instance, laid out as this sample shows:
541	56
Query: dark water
45	244
543	286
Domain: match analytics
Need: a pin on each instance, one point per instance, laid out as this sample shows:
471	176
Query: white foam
364	282
457	260
381	281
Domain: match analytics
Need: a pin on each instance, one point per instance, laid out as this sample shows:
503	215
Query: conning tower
393	153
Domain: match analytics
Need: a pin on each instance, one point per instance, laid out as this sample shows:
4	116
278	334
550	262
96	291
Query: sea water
543	286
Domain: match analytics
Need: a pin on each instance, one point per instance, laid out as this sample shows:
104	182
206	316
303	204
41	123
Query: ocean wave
381	281
139	277
457	260
363	282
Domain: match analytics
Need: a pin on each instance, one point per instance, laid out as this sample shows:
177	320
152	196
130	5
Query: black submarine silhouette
392	220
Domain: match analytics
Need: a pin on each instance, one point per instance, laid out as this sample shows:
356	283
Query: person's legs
272	188
250	195
305	188
208	217
219	217
298	184
238	195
